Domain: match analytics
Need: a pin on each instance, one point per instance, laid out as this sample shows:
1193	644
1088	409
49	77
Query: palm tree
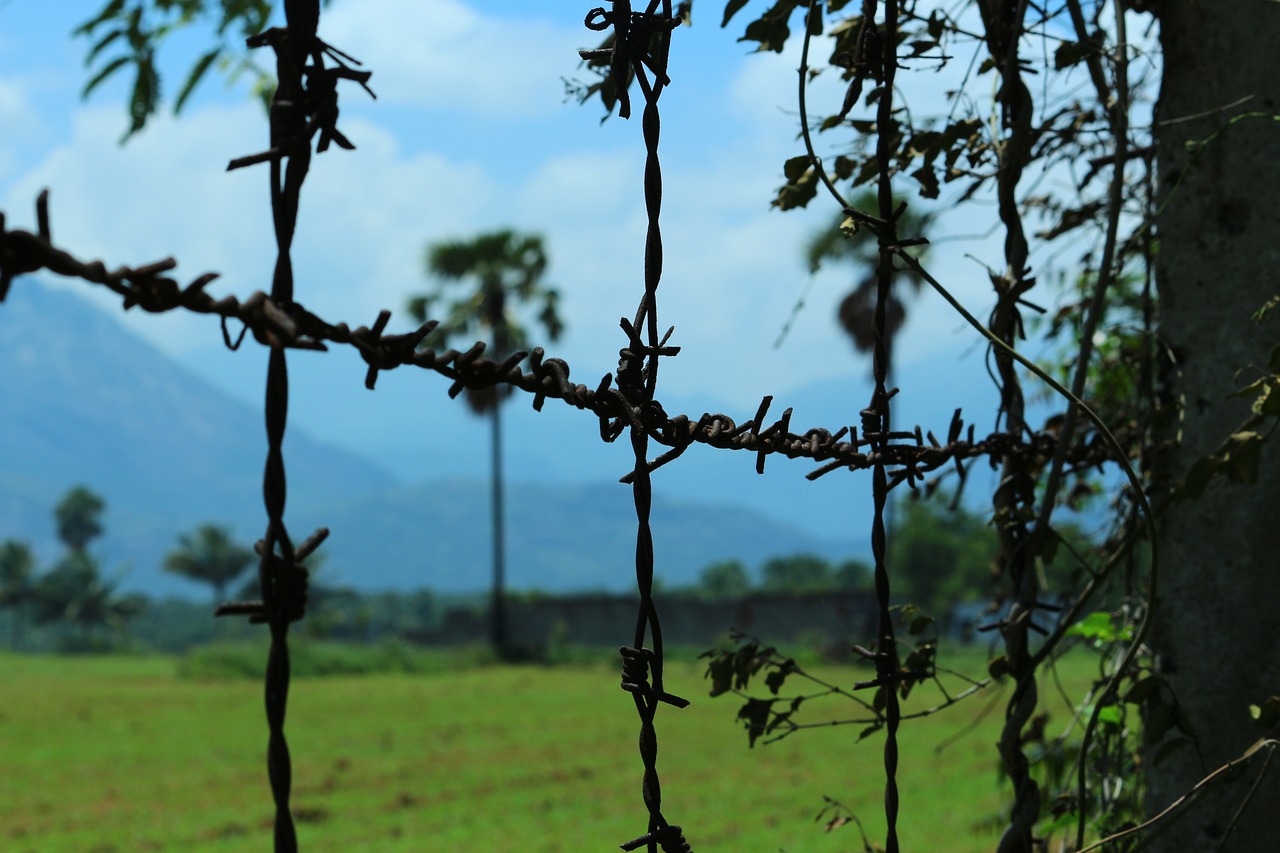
209	556
858	247
78	516
17	583
73	592
505	270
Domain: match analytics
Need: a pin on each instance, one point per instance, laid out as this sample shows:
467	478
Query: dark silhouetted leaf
110	68
1070	53
197	71
732	8
1198	477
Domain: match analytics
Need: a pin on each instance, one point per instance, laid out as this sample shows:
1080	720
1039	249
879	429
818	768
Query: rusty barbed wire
876	418
634	34
643	41
294	327
1014	499
304	104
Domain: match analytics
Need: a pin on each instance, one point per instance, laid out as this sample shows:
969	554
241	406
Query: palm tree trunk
498	607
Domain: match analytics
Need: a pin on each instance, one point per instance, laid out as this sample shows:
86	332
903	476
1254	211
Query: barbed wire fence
305	108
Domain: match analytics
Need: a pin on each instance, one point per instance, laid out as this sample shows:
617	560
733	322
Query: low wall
610	620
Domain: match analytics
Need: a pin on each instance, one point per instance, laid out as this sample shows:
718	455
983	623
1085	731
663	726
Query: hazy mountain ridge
560	537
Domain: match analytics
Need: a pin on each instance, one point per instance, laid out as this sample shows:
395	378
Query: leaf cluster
127	35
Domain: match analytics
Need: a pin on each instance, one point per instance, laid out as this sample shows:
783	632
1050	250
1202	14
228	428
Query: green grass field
119	754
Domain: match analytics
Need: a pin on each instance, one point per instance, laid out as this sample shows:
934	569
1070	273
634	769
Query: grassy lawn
118	754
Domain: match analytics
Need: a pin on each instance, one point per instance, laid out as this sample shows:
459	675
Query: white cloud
445	54
166	193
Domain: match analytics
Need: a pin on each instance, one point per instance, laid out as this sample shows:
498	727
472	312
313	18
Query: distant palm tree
17	583
860	249
505	270
73	592
78	516
210	556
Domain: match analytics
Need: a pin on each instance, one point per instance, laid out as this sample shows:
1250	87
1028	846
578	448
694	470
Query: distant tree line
70	607
942	556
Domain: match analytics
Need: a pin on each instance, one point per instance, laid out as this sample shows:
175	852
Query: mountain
86	402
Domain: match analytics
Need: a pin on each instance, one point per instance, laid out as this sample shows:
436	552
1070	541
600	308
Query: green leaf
1142	690
919	46
1240	461
1097	626
1268	402
197	71
796	166
928	179
100	45
814	19
146	94
920	624
1111	715
775	679
1268	713
934	26
797	193
1160	719
1168	749
1199	475
1070	53
771	30
109	11
755	716
112	67
720	671
1261	313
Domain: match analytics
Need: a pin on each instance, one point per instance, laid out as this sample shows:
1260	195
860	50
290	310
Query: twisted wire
1014	498
304	103
292	326
642	42
878	417
286	120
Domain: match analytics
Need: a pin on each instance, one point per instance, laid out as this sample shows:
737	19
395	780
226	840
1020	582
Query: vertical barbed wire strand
642	40
288	122
1014	498
886	647
303	105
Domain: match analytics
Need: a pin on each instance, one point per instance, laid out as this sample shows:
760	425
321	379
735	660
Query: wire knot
631	52
318	110
635	676
670	838
285	584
